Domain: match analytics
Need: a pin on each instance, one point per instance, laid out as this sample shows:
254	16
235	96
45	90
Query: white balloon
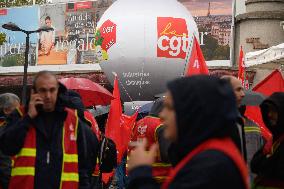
146	42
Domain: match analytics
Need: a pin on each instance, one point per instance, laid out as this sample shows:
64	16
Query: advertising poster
214	20
71	42
12	53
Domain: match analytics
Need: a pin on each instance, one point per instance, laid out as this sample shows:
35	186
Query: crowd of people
196	137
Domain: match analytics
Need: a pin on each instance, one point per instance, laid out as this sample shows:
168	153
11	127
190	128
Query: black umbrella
161	95
252	98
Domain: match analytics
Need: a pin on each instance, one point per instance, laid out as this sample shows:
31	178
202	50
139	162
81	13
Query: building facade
259	27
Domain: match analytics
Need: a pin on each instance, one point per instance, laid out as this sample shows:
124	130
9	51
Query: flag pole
190	45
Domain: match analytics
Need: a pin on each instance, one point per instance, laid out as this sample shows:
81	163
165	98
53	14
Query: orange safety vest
224	145
95	128
147	128
23	170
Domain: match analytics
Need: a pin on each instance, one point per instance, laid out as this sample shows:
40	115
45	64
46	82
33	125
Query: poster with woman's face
72	39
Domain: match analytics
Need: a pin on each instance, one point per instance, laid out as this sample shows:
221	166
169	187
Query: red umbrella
91	92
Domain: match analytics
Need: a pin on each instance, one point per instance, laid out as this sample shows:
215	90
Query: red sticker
108	33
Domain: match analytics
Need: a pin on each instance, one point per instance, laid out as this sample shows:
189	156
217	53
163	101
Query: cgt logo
172	37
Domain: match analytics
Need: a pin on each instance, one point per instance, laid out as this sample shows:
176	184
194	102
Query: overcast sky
200	7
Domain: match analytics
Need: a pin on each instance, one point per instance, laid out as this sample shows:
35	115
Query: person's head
272	110
48	21
237	87
8	103
168	116
46	85
197	108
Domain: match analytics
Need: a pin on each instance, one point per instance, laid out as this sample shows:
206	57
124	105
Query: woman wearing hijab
199	115
269	166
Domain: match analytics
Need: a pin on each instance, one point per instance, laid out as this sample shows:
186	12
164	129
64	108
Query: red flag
241	74
196	64
272	83
242	70
128	124
119	126
114	122
113	126
107	176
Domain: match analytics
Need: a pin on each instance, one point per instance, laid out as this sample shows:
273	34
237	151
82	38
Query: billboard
71	42
214	21
12	52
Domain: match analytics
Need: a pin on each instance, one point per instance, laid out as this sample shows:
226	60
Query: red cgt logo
172	37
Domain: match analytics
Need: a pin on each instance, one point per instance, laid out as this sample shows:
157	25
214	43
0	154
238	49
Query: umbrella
252	98
100	110
91	92
145	109
131	107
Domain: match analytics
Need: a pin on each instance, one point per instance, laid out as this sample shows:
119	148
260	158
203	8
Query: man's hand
139	156
35	100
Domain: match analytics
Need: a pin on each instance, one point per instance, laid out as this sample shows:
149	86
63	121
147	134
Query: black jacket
271	167
5	161
205	108
47	175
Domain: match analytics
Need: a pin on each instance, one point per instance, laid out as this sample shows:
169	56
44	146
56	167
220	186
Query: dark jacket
5	161
271	166
205	108
49	139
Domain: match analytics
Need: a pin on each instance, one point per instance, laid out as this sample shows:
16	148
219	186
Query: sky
200	7
26	18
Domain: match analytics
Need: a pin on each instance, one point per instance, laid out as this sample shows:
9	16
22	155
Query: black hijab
205	108
277	100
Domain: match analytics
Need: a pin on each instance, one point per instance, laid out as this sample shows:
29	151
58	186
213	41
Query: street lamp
13	27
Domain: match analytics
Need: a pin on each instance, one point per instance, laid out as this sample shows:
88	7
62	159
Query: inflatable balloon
147	43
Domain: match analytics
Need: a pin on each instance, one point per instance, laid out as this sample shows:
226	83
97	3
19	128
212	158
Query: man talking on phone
52	147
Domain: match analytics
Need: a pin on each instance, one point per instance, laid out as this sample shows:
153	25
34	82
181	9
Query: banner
71	42
12	53
214	20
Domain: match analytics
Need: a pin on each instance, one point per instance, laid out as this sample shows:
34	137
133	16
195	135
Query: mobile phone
39	107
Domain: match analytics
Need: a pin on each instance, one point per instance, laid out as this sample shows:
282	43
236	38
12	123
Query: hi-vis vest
23	170
224	145
95	128
147	128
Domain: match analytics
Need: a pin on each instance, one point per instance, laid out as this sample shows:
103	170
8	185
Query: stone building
259	27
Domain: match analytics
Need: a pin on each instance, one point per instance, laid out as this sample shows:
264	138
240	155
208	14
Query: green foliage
13	60
17	3
98	38
222	53
212	51
2	38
